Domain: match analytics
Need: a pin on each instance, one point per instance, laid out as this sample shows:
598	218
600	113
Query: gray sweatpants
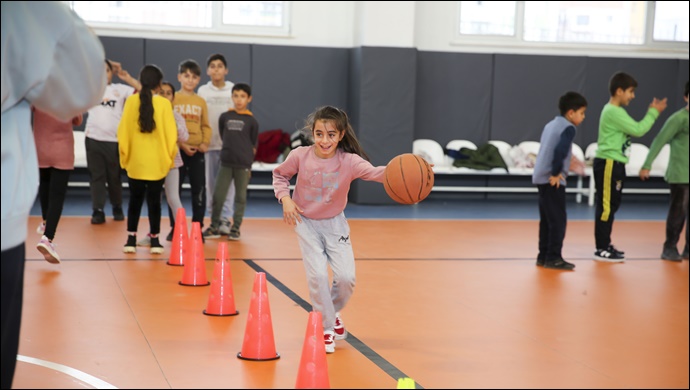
326	242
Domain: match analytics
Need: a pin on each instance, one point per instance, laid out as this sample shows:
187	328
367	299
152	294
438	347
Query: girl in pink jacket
324	173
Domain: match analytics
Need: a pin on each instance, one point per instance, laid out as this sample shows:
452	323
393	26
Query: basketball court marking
356	343
73	372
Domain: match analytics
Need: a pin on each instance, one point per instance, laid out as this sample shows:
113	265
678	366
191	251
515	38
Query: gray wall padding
396	95
289	83
680	85
127	51
169	54
386	112
134	53
453	96
655	78
525	93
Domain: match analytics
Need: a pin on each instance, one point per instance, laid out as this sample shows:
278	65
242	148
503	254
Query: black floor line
374	357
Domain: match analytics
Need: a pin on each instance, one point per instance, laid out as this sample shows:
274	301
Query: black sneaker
559	264
234	235
118	215
540	260
609	254
98	217
671	254
211	232
169	238
685	253
156	247
613	249
131	245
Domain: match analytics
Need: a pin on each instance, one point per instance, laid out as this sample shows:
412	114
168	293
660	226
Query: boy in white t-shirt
218	96
102	156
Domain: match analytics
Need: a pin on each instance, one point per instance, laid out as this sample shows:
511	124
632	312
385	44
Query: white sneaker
41	229
146	241
48	250
224	228
329	341
339	328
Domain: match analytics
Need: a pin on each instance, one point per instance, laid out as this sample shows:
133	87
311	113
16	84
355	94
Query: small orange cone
313	367
180	245
259	343
221	300
194	273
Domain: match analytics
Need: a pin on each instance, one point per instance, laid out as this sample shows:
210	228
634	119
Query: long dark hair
150	78
349	143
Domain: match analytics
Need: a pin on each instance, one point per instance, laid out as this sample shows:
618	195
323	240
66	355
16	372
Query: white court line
73	372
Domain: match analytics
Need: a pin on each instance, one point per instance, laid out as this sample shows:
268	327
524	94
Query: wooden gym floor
448	303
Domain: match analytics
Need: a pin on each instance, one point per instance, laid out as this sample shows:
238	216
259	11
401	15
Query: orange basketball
409	179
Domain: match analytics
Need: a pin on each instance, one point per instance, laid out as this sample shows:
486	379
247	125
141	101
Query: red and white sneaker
329	341
339	328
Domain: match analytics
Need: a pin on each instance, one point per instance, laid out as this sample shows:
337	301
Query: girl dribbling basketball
325	171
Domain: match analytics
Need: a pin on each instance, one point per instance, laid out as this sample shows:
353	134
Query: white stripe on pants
324	242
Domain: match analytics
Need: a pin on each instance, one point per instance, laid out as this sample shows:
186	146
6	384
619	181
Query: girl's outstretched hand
291	212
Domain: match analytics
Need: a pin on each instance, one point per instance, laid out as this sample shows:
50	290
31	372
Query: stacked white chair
638	153
79	149
660	163
432	152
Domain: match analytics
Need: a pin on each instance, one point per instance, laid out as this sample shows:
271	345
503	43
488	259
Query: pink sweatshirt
54	140
322	184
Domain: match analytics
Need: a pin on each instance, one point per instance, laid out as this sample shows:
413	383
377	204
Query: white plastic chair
638	153
530	147
591	151
79	149
457	144
503	148
429	150
660	163
578	153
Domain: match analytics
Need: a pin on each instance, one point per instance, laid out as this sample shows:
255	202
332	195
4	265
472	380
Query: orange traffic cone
180	245
258	335
221	300
194	273
313	368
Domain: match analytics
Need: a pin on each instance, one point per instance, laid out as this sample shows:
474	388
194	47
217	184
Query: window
253	13
237	17
671	21
196	14
581	22
487	17
612	22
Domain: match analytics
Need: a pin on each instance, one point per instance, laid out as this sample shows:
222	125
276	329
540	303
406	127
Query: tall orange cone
313	368
180	245
259	343
221	300
194	273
